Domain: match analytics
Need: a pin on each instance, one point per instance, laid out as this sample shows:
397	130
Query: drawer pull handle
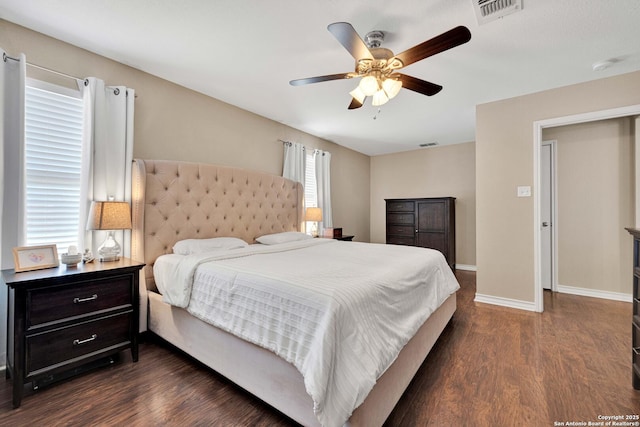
77	300
636	350
79	342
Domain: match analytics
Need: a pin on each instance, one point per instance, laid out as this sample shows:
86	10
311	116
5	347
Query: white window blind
53	155
310	187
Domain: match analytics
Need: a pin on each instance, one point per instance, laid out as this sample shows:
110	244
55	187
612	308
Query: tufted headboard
174	200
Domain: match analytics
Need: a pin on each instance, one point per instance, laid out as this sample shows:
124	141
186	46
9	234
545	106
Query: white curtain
12	87
294	162
323	183
107	154
12	81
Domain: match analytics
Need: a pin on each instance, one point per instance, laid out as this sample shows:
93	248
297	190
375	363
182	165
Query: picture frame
27	258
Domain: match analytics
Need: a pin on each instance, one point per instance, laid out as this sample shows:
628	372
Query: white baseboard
466	267
594	293
505	302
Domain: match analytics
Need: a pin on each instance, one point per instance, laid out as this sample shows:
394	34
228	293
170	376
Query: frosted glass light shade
392	87
369	85
379	98
358	94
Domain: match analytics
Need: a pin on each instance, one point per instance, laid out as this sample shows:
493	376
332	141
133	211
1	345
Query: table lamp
109	216
313	215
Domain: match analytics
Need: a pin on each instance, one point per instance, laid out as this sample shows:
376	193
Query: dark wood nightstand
635	320
347	238
62	319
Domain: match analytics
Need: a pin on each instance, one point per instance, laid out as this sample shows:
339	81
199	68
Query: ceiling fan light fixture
379	98
358	94
369	85
391	86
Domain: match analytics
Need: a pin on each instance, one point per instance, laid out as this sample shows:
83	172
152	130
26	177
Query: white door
546	213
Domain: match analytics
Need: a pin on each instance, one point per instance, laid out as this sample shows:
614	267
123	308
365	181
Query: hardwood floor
492	366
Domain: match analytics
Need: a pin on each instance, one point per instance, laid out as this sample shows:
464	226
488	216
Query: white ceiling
244	52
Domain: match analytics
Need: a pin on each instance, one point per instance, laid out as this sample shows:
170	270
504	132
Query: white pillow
287	236
196	246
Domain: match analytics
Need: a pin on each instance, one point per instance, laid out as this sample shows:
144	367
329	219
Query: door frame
554	213
538	126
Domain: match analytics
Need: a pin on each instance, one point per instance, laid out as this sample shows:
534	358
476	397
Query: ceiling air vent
488	10
429	144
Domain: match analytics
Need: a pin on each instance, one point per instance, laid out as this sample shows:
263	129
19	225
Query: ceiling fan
378	66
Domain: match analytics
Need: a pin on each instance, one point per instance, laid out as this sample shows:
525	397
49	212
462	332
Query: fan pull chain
376	115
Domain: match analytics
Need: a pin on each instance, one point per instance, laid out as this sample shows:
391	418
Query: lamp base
110	249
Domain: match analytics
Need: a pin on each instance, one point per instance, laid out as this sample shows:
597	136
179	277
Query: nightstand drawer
50	304
68	344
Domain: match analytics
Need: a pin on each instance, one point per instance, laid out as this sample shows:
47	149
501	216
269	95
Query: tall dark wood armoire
425	222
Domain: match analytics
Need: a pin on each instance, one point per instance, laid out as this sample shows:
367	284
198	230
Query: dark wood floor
491	367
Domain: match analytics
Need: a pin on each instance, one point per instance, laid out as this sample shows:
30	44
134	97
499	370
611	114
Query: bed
176	201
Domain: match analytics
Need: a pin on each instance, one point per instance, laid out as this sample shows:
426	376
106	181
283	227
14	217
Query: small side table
62	319
346	238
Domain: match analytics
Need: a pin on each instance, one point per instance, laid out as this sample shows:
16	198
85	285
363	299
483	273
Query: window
53	156
310	186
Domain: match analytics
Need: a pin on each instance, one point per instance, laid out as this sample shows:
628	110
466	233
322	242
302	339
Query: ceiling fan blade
318	79
347	36
417	85
356	104
452	38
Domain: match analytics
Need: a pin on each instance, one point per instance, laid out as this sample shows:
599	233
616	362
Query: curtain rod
69	76
5	57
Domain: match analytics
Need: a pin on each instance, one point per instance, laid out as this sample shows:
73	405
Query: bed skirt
279	383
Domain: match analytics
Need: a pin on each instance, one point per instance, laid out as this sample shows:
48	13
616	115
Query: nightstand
64	318
635	320
347	238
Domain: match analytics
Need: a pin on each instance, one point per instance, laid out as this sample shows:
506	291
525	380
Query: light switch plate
524	191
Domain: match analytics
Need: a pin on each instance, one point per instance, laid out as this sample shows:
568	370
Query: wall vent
429	144
489	10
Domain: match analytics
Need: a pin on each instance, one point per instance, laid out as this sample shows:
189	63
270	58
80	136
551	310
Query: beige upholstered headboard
173	200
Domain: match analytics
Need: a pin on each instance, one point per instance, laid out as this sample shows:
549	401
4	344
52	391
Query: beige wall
504	160
430	172
595	193
172	122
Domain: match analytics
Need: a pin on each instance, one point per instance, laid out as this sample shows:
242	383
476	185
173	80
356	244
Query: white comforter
340	312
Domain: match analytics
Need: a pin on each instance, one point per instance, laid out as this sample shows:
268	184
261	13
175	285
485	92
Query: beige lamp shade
313	214
109	216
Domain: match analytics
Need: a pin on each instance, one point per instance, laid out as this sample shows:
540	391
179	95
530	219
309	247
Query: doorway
548	222
538	126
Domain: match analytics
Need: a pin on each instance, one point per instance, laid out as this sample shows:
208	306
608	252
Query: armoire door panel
433	240
431	216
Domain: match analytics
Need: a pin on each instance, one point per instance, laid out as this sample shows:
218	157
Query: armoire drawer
401	219
401	230
400	206
401	240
